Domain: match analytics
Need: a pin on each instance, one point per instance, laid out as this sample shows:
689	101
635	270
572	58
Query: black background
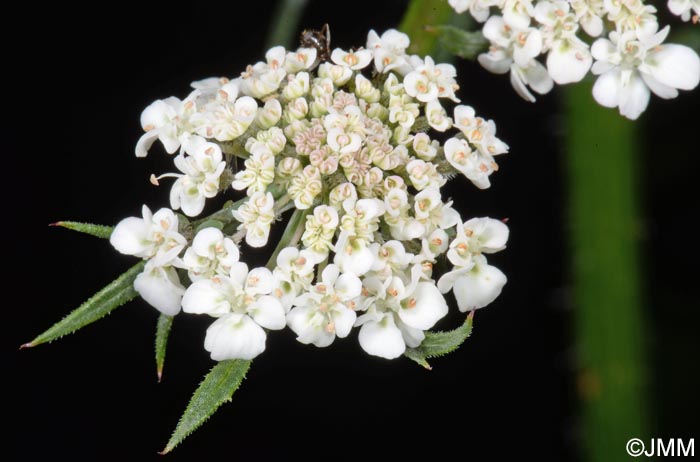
73	111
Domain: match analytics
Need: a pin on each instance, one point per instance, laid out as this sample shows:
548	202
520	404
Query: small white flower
352	254
437	116
398	313
326	311
300	60
354	60
479	9
513	50
264	78
160	287
429	81
201	165
338	75
319	231
468	162
242	303
474	287
629	67
270	114
589	15
684	8
259	171
211	254
389	51
164	120
256	215
297	86
155	236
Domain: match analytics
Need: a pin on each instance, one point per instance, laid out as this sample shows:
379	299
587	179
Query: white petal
343	319
259	281
676	66
204	243
517	79
568	64
478	287
538	78
161	288
348	286
234	336
130	237
145	142
412	337
268	312
492	234
429	307
382	338
634	97
603	50
207	297
658	88
606	89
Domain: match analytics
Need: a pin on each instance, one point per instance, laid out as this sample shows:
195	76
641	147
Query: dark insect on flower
319	39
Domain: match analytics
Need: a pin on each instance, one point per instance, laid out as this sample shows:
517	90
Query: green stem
292	234
284	25
604	239
422	13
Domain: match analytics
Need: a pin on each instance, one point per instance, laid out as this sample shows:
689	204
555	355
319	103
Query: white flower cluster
632	61
347	144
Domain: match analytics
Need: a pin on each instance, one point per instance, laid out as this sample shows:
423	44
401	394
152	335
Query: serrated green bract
217	388
460	42
117	293
165	322
440	343
100	231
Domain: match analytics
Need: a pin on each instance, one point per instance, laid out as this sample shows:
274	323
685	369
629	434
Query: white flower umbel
243	305
327	309
357	146
629	67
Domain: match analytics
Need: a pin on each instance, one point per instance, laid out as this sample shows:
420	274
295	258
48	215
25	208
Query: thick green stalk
292	234
604	214
422	13
285	21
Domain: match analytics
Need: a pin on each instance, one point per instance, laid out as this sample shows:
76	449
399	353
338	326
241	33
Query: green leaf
100	231
117	293
165	322
440	343
460	42
217	388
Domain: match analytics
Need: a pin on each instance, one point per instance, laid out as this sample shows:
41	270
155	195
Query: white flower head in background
631	62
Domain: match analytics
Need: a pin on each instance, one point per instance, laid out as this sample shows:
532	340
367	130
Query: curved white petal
145	142
130	237
259	281
234	336
382	338
425	307
412	337
479	287
343	320
568	64
205	242
161	288
606	89
634	97
676	66
206	297
658	88
348	286
268	312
